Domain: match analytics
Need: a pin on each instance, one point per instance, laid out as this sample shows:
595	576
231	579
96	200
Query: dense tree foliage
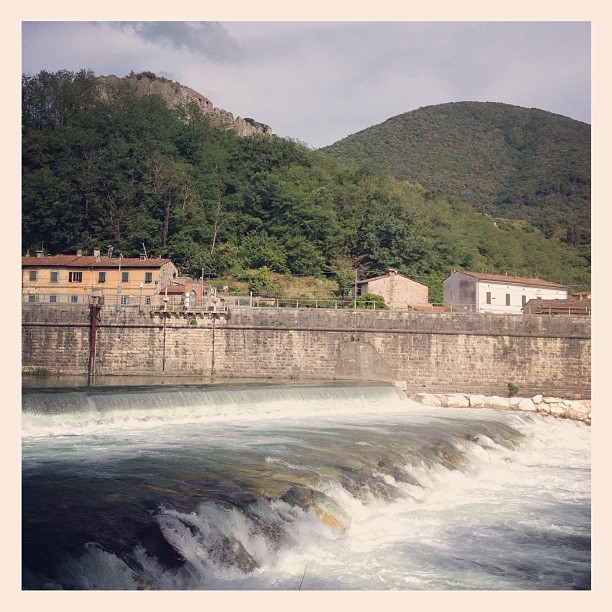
128	171
507	161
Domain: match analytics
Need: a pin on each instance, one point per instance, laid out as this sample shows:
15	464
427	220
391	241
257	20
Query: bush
512	389
373	301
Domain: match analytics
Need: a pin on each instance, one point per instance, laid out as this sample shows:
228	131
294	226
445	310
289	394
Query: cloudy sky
319	81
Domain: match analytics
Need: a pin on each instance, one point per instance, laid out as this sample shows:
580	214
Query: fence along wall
424	352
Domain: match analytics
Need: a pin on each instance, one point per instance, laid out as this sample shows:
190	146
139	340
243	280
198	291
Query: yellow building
75	278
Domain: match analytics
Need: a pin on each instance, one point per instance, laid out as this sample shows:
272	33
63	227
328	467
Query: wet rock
319	504
153	541
232	553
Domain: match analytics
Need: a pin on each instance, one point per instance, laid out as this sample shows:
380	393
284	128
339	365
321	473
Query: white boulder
457	401
526	404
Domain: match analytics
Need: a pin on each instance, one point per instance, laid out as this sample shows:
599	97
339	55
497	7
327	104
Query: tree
258	250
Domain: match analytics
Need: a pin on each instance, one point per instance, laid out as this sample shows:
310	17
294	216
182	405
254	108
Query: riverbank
577	410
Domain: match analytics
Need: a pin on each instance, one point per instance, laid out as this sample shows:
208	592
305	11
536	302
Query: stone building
73	279
399	291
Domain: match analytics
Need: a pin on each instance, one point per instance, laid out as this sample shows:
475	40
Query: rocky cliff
175	94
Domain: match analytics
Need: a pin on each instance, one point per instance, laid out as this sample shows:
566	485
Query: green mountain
129	169
506	161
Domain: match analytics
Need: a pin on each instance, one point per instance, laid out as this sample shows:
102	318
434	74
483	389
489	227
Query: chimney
40	253
79	252
96	253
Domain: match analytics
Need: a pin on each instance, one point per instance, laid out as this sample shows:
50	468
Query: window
523	300
125	276
75	277
33	274
507	299
32	297
148	277
54	277
488	297
124	300
101	277
74	299
53	299
148	299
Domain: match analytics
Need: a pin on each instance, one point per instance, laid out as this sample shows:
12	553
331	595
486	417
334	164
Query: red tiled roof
562	305
176	289
365	281
515	280
89	261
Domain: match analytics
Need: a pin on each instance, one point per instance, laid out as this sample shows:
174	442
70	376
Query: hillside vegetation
128	171
506	161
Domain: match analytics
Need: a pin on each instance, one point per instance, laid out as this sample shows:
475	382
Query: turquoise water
287	487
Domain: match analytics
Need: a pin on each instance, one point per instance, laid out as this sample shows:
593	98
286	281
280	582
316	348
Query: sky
320	81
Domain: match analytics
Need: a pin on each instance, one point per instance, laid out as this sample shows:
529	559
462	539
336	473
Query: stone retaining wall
423	352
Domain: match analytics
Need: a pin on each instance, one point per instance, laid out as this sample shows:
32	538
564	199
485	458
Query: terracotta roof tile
576	305
365	281
518	280
89	261
176	289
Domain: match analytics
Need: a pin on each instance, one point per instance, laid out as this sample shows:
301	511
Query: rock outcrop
176	94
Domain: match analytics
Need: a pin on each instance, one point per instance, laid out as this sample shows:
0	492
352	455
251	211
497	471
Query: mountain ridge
504	160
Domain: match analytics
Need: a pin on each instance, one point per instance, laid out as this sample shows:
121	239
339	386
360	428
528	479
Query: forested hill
131	171
506	161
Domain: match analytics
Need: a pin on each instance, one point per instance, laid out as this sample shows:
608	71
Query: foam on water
324	487
84	411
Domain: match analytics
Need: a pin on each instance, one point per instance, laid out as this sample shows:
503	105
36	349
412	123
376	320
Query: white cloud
321	81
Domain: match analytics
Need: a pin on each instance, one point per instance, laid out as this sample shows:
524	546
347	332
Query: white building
475	292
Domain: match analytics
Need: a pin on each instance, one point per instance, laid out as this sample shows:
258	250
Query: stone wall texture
421	352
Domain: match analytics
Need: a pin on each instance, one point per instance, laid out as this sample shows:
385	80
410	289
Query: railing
239	301
562	311
176	303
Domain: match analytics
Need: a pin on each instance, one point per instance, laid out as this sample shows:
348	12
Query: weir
241	486
421	352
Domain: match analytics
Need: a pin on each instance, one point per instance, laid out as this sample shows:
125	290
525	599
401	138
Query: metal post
94	313
119	285
165	314
355	292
